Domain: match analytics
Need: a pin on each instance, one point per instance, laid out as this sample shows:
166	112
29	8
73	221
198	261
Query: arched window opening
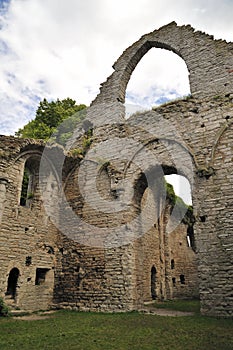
181	188
190	238
179	197
172	264
153	283
173	281
12	283
29	181
24	189
160	76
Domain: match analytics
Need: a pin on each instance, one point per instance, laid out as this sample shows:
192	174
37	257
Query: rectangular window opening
41	276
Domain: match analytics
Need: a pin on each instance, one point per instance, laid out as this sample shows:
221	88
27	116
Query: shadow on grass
178	305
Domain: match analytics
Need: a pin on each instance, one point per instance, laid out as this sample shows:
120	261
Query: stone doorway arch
153	282
12	283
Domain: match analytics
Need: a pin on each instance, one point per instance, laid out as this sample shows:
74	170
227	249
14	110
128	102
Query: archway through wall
181	187
179	191
167	250
12	283
30	180
159	77
153	283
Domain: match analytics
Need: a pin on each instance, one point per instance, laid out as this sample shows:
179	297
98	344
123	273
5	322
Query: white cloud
161	75
56	48
181	187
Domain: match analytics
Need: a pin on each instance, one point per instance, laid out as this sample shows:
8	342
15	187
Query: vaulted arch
199	51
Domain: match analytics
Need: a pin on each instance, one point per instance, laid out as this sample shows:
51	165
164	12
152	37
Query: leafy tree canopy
49	116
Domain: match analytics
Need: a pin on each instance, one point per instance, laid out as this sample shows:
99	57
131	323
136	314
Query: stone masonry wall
109	275
206	130
27	238
124	235
199	128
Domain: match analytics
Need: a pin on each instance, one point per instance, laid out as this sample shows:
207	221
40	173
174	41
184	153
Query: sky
57	49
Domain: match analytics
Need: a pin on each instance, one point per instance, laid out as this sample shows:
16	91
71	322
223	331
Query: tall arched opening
166	243
30	180
12	283
159	77
153	283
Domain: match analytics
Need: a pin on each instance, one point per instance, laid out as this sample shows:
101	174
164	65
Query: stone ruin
96	230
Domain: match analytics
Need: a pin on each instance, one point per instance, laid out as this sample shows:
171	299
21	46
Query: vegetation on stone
4	310
49	116
120	275
173	200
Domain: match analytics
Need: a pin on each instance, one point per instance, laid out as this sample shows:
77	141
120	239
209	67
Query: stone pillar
3	183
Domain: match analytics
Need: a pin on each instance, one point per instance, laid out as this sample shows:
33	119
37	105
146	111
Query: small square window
40	276
28	261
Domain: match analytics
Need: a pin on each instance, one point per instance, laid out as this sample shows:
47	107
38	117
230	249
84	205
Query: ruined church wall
154	252
206	127
91	276
183	275
215	227
204	123
205	132
209	64
149	243
192	137
27	238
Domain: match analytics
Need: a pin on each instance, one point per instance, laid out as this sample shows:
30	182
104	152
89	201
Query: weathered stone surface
126	248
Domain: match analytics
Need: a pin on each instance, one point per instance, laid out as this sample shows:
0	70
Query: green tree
49	116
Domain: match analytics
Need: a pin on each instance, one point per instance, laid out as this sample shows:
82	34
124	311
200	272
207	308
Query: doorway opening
153	283
12	283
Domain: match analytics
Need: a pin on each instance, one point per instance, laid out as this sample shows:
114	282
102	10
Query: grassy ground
69	330
178	305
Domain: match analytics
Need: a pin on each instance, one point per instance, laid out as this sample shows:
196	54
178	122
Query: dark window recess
50	250
182	279
203	218
12	283
30	181
191	238
153	283
24	189
40	276
28	261
172	264
173	281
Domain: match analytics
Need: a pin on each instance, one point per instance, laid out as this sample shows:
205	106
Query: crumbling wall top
209	62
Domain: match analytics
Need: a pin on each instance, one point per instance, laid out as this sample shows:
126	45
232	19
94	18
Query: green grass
69	330
178	305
